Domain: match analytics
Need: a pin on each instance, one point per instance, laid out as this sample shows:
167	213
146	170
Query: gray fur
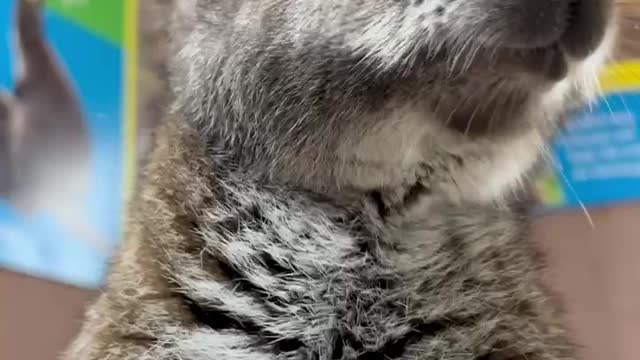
322	192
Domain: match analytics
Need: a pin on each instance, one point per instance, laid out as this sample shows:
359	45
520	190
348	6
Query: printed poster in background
66	129
596	159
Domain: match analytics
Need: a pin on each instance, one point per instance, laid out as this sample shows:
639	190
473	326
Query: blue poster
596	159
64	116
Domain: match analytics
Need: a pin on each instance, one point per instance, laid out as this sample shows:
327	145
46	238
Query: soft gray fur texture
334	183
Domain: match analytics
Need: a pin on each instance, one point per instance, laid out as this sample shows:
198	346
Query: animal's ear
40	80
7	108
32	53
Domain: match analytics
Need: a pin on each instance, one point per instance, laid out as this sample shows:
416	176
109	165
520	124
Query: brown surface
629	44
37	318
597	268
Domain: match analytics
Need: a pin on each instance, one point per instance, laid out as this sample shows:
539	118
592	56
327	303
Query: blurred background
76	126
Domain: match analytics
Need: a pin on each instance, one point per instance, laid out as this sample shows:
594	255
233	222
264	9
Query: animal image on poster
61	141
47	161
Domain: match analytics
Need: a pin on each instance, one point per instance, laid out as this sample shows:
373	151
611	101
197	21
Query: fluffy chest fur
220	267
299	280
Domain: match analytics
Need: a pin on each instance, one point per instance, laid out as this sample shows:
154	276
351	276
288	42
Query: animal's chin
499	96
481	119
506	90
547	64
491	104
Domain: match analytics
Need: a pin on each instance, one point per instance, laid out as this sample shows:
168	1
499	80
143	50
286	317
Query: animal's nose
587	24
576	25
533	23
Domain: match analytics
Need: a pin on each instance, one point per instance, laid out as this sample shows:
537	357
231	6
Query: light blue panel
40	245
598	155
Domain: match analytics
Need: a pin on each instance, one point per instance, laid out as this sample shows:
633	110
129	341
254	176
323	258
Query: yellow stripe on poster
622	76
130	95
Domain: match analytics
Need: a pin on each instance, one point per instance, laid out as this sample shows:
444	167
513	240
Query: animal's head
361	92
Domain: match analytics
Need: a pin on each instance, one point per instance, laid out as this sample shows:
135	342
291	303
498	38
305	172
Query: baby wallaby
335	179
